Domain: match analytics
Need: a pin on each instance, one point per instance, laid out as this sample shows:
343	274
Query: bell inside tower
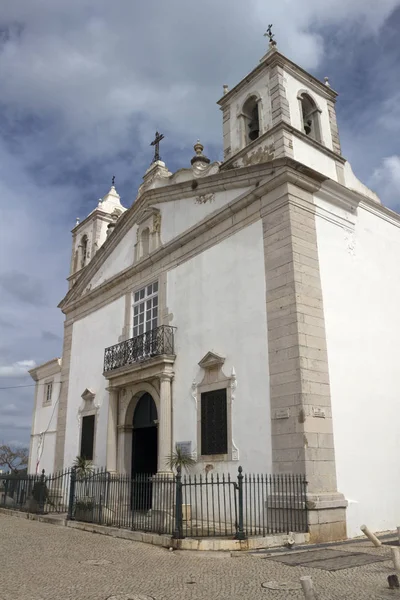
252	120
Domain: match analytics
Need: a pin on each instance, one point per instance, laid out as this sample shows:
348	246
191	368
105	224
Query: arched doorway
144	437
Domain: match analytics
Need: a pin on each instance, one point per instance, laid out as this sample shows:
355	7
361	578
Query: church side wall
45	421
91	335
218	304
361	294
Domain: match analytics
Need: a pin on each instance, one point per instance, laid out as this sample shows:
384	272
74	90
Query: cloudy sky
85	83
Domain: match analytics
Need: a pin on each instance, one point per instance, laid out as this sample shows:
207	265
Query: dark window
87	440
214	423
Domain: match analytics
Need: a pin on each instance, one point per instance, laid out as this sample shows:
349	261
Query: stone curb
203	544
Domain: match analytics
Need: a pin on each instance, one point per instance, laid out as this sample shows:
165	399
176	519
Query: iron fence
144	346
142	503
182	506
36	493
249	505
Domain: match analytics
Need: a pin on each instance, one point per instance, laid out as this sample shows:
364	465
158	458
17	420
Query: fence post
71	499
240	534
178	531
5	491
42	498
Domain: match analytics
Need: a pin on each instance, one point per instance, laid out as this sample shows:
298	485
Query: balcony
156	342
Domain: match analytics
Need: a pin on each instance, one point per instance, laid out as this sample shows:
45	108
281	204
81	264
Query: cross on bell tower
156	144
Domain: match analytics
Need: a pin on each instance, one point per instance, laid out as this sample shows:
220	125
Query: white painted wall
44	422
121	258
218	302
361	293
355	184
180	215
312	157
91	335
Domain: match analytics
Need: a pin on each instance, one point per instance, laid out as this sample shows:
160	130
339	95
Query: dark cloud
22	287
48	336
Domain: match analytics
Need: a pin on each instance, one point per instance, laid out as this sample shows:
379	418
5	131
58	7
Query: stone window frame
215	379
300	96
242	116
151	221
46	385
87	409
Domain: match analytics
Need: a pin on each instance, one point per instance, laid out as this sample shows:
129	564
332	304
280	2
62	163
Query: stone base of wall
203	544
327	517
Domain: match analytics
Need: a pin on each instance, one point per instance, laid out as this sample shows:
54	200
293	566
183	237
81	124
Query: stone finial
77	221
326	79
225	88
199	158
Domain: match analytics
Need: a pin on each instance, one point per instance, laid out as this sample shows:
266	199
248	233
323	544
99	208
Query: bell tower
90	234
279	110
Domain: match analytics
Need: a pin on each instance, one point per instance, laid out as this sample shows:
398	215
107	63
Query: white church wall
315	159
91	335
44	427
180	215
361	294
121	258
218	302
355	184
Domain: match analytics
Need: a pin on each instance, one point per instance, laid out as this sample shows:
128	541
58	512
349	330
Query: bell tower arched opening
251	119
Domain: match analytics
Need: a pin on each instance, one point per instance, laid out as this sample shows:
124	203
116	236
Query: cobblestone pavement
44	562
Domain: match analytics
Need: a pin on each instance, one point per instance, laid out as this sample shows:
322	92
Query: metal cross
270	35
113	181
156	143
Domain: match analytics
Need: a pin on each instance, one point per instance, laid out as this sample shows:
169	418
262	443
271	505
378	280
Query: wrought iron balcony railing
152	343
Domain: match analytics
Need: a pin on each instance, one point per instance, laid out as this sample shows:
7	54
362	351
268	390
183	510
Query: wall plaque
184	447
283	413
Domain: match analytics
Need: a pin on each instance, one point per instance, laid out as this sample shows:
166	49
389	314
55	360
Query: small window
87	439
214	423
48	392
310	117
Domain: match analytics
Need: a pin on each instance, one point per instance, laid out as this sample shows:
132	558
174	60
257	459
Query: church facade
245	311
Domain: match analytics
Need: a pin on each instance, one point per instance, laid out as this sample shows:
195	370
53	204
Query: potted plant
179	461
84	509
83	467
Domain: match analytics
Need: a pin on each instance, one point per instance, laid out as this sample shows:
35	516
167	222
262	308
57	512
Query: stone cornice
278	59
380	211
47	369
270	133
96	213
270	176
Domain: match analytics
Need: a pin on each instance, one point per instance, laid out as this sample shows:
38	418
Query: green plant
179	459
84	504
83	467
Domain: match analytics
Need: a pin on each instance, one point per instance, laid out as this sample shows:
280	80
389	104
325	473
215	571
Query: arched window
251	119
310	117
145	240
84	250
